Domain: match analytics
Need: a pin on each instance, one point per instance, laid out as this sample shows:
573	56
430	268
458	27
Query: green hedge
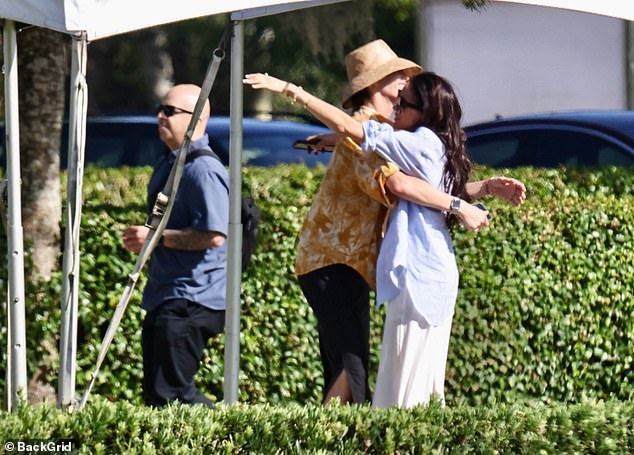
520	428
545	308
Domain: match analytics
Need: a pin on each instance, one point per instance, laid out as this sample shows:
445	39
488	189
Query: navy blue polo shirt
202	203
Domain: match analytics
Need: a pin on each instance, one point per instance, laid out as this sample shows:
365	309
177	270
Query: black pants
340	299
174	336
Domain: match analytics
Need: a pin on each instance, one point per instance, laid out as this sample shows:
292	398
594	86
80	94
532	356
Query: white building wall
515	59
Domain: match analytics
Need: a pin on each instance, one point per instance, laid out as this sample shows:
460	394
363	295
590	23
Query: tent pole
234	265
16	368
72	215
629	64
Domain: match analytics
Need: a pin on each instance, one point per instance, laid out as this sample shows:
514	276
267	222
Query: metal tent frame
83	22
95	19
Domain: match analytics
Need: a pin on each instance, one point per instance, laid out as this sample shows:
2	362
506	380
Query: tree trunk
157	63
42	66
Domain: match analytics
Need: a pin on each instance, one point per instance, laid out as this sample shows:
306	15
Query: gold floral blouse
345	222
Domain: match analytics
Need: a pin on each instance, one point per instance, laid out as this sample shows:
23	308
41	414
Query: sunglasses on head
168	110
403	103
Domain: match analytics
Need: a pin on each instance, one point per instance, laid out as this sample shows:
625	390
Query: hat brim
364	80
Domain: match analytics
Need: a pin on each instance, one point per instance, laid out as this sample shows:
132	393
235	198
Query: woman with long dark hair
417	272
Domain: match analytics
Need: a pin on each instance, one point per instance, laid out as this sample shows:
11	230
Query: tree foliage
306	46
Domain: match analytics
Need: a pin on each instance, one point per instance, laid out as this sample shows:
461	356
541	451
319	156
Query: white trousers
413	357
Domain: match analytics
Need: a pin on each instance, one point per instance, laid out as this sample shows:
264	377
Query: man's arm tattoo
191	239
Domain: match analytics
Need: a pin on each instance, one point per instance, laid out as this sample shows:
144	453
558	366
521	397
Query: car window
496	150
545	147
119	144
576	148
268	150
104	151
612	156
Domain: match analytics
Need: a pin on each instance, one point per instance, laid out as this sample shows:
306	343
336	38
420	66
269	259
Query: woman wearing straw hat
339	241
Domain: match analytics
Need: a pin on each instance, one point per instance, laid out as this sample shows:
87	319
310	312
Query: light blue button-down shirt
416	255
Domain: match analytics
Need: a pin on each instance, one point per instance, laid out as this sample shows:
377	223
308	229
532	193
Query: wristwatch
455	205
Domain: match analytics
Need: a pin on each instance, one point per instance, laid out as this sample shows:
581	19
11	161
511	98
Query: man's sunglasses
403	103
168	110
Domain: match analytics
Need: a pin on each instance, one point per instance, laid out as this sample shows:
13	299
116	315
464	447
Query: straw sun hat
369	64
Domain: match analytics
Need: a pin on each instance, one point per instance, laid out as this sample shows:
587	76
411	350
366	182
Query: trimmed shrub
590	427
545	308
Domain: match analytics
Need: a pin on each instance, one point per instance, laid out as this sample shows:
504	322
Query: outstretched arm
421	192
509	189
331	116
418	191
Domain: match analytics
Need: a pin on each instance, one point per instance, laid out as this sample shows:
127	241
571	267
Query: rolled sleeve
367	168
415	153
208	201
381	174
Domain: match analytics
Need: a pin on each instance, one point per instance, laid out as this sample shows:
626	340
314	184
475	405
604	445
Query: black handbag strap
202	152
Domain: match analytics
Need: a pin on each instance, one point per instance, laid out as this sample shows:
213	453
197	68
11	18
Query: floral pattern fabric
345	222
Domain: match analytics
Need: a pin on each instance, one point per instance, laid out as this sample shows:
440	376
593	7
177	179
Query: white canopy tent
622	9
88	20
95	19
103	18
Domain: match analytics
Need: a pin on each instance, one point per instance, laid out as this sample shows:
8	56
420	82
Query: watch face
455	204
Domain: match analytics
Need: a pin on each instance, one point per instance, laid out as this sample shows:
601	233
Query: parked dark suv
113	141
592	138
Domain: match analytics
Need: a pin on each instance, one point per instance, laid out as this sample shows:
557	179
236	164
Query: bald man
185	292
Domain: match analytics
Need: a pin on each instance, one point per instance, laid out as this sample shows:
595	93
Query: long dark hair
441	114
359	99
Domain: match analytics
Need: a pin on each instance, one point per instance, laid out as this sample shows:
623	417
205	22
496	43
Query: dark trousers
174	337
340	299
